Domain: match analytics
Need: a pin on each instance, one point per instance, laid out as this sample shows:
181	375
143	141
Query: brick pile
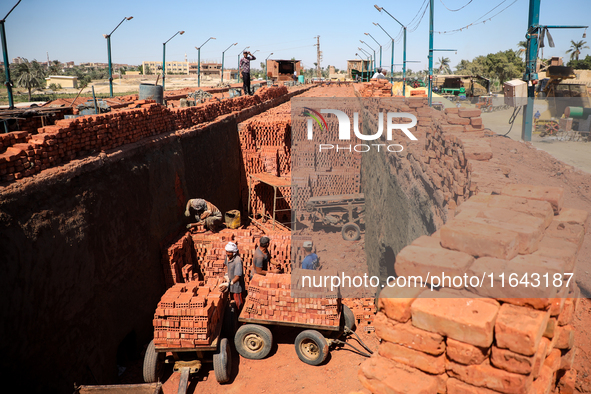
201	256
269	298
188	315
375	88
364	310
69	139
478	340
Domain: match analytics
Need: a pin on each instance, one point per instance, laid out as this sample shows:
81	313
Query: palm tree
29	75
575	49
444	64
55	67
521	48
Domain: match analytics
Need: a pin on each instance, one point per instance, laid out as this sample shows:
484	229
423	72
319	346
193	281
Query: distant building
207	69
18	60
282	70
171	67
358	65
65	81
69	64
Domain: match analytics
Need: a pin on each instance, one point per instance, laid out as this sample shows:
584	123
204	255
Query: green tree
444	64
575	49
55	68
584	64
29	75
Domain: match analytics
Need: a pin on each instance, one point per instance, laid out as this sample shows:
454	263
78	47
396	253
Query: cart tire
351	232
349	318
253	341
311	347
222	362
153	364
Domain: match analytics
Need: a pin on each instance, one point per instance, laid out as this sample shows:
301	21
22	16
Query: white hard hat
308	244
231	247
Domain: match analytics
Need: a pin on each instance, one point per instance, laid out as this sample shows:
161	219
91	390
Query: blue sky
73	30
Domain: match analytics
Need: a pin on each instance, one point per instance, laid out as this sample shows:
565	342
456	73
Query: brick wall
70	139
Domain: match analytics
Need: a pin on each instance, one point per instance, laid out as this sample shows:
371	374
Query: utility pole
318	57
431	52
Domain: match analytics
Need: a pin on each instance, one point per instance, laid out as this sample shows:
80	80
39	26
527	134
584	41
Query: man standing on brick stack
235	281
245	70
262	258
206	212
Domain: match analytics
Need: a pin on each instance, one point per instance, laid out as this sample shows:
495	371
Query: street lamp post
240	53
404	48
108	37
199	61
181	32
266	66
392	62
380	45
8	82
374	54
222	81
362	61
366	53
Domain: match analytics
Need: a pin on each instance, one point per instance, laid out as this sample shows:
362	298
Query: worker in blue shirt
310	262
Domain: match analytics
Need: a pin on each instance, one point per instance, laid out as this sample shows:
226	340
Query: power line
464	6
420	20
476	22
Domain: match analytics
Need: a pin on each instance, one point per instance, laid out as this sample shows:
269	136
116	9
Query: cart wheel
153	364
552	128
351	232
311	347
253	341
222	362
349	318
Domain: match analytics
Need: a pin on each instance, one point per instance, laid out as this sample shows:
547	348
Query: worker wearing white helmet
235	281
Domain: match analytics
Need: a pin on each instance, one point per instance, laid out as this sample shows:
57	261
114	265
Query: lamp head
585	34
235	43
181	32
361	41
212	38
129	18
378	8
105	35
375	24
367	34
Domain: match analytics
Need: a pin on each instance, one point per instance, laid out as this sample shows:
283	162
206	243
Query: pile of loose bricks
475	339
201	256
69	139
376	88
270	298
188	315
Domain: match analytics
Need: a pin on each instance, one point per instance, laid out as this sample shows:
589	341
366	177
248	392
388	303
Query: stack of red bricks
376	88
269	298
69	139
188	315
486	338
364	311
202	255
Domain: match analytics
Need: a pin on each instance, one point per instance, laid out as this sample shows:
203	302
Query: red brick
520	329
476	121
395	302
565	337
543	384
558	249
566	384
552	361
415	260
455	386
380	375
566	316
406	334
431	364
467	320
455	120
550	328
554	195
464	353
573	216
469	112
426	241
569	232
479	239
568	358
514	362
484	375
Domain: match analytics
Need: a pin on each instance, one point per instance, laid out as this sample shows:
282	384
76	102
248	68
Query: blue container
150	91
301	79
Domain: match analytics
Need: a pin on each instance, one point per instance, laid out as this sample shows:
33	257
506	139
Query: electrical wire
449	9
420	20
512	119
476	22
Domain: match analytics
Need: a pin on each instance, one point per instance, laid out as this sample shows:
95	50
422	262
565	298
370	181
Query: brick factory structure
91	211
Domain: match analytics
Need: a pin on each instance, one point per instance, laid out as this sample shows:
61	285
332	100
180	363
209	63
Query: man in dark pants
245	70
